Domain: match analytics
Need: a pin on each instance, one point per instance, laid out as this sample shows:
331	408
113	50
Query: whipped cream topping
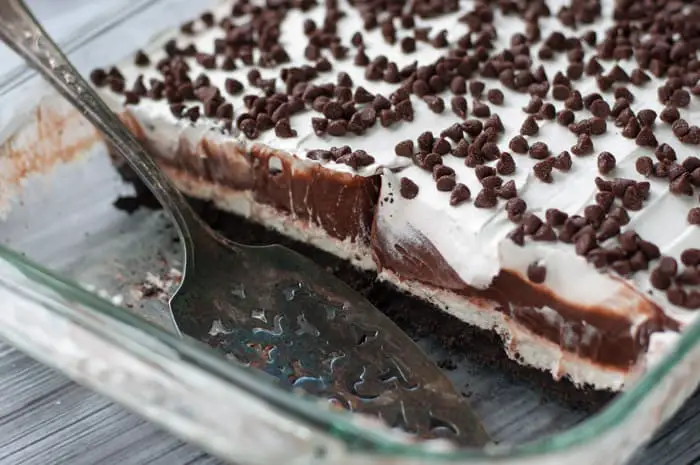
472	240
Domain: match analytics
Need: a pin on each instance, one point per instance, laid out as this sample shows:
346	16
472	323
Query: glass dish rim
340	424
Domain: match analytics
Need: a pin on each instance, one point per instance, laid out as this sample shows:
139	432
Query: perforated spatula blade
268	306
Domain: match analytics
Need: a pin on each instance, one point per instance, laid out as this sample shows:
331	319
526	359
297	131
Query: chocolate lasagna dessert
527	166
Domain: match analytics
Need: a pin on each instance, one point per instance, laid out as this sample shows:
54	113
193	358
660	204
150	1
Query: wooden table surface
47	419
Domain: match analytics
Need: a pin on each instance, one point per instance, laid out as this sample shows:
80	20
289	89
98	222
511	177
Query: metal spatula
268	306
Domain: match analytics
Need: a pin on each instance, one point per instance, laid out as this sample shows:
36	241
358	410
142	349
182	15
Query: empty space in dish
59	188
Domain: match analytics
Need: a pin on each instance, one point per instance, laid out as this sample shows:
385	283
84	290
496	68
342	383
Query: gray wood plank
46	418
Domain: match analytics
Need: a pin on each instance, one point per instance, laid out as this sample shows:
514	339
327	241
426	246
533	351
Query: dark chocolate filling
343	205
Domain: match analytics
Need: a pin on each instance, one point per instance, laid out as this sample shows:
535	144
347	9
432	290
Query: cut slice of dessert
527	167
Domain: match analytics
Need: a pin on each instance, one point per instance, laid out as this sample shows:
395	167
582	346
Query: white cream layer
472	240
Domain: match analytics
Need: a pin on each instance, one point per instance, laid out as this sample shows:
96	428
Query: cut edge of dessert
365	207
255	182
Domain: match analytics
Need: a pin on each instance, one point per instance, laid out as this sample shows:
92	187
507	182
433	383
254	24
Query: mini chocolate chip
631	199
560	92
691	257
436	104
459	194
337	128
646	117
320	125
529	127
387	118
476	88
555	217
408	45
233	86
194	113
461	150
363	96
665	153
531	223
486	198
600	108
646	138
441	146
506	164
659	280
545	233
458	85
446	183
680	98
533	106
426	140
548	111
539	151
632	129
404	148
605	200
610	227
141	59
454	132
519	144
644	166
650	250
508	190
594	215
584	145
565	117
491	182
408	189
283	129
691	163
480	109
562	161
694	216
669	114
495	96
585	243
442	170
575	102
515	208
483	171
473	127
543	170
681	185
606	162
404	110
689	276
622	267
598	126
431	160
680	128
459	106
668	266
620	214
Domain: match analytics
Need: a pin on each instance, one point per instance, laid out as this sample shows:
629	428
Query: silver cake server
270	307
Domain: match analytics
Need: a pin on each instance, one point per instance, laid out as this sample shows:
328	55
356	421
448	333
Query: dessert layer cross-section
527	166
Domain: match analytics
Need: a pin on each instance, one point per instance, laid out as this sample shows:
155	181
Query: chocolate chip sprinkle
460	194
539	151
536	273
408	189
486	198
606	162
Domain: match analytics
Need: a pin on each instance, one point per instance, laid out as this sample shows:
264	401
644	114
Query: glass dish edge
596	427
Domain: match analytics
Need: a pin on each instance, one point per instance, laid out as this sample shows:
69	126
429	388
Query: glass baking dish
82	286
